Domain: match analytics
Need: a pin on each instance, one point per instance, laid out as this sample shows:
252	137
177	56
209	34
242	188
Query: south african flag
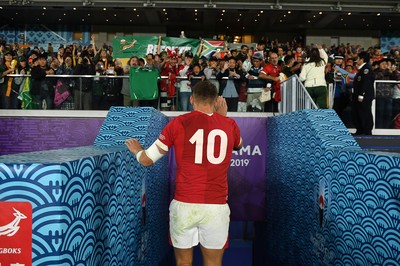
209	47
25	96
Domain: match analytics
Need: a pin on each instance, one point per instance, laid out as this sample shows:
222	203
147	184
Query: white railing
294	96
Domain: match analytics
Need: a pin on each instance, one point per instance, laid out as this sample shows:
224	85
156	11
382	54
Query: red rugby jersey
203	149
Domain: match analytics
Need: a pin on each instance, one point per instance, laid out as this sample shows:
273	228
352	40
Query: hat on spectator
258	56
8	53
22	59
339	56
173	53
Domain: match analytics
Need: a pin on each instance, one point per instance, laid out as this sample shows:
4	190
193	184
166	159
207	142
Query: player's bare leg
183	256
212	257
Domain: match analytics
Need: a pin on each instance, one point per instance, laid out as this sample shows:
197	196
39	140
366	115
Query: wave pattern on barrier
329	202
87	201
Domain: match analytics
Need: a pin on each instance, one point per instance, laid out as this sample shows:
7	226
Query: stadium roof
208	17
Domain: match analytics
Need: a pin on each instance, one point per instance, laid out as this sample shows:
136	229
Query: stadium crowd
249	78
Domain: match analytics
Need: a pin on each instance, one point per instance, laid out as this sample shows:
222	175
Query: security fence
295	96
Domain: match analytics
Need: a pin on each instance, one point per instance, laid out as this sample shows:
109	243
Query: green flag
127	46
25	96
183	44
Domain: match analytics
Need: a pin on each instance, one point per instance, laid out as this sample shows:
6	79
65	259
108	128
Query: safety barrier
294	96
328	201
95	205
101	92
387	104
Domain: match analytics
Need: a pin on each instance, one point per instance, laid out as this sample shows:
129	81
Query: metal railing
386	106
77	87
294	96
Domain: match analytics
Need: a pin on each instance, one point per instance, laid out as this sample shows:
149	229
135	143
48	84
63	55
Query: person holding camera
112	86
41	88
83	87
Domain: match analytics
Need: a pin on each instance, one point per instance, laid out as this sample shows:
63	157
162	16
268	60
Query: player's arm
145	157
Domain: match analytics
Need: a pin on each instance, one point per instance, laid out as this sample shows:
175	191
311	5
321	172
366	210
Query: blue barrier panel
328	202
93	205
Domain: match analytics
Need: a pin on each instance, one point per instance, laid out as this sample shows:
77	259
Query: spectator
243	54
112	86
299	53
313	75
150	60
290	68
98	86
345	77
196	75
260	47
377	55
84	86
170	69
104	56
185	89
125	91
50	49
255	85
2	51
340	99
23	69
211	71
230	79
270	73
66	68
41	87
6	83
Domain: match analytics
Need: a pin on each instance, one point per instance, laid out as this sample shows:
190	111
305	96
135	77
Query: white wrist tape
138	155
153	153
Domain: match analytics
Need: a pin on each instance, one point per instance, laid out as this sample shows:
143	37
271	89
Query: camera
99	68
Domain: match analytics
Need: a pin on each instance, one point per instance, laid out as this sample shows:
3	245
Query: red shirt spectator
271	71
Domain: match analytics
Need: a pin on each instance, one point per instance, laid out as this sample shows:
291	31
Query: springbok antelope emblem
12	228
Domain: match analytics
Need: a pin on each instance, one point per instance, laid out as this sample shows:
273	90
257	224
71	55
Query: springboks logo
12	228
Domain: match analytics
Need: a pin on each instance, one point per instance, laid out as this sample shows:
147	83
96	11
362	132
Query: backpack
61	93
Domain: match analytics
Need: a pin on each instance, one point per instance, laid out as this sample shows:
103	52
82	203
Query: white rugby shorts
191	224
